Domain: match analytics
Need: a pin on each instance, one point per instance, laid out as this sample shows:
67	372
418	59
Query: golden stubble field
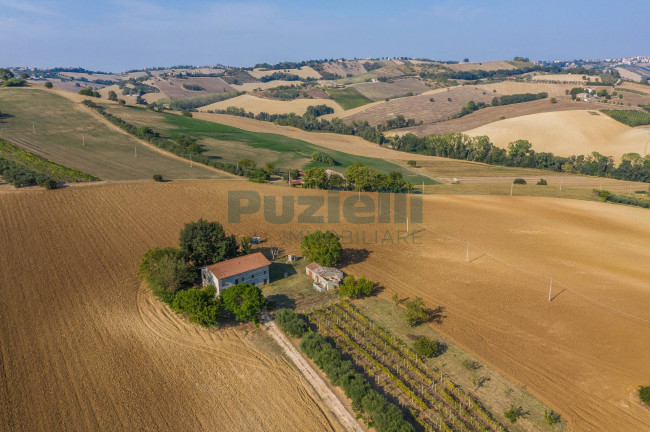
84	347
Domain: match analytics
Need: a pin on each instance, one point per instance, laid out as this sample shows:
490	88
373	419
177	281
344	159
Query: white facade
259	276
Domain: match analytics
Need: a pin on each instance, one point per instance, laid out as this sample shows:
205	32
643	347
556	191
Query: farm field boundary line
525	270
337	407
153	147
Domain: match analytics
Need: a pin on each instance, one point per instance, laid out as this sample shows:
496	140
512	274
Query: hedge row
154	138
19	175
385	416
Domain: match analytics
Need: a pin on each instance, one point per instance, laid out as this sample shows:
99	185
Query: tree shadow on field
281	301
436	315
354	256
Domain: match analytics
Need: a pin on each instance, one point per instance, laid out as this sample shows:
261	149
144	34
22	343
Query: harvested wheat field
485	66
567	133
84	347
562	78
176	88
257	105
398	88
83	329
489	115
434	105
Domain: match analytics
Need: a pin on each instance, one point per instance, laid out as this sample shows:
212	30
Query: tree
244	301
324	248
5	74
185	113
112	96
245	245
315	178
644	394
465	60
426	347
204	243
165	271
121	102
291	323
411	163
395	298
416	313
48	85
139	100
157	177
199	305
519	180
246	164
87	91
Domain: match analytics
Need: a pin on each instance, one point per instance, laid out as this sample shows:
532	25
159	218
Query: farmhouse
324	277
252	269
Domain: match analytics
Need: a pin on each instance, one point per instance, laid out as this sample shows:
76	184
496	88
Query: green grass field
348	97
232	144
68	134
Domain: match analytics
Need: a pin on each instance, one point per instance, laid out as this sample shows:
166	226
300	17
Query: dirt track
82	347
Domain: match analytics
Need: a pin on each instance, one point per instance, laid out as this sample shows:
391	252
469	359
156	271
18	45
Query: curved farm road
344	416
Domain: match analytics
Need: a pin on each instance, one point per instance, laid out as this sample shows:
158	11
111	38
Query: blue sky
115	35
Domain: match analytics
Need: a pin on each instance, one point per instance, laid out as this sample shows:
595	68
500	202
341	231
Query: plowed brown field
83	347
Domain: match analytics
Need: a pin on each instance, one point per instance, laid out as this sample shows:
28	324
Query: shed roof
238	265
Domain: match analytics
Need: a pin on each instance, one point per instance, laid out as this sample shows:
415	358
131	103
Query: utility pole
33	128
191	163
407	226
83	140
512	186
467	257
359	193
135	150
550	288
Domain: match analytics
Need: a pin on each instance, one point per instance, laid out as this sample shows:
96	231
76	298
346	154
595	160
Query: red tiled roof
238	265
297	182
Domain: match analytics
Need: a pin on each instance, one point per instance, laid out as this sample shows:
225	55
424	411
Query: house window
236	281
264	271
253	276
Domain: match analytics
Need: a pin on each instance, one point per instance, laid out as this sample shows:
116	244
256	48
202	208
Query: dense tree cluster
384	415
322	158
361	177
397	122
520	154
356	288
291	323
20	176
494	74
310	122
518	98
170	274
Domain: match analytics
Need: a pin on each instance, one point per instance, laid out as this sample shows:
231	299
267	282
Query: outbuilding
252	269
324	278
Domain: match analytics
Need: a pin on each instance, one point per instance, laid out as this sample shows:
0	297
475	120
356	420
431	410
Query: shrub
411	163
323	247
471	364
244	301
89	92
426	347
553	100
519	180
158	177
193	87
259	176
112	96
514	413
644	394
350	288
542	182
121	102
48	84
199	305
551	417
291	323
186	113
416	313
